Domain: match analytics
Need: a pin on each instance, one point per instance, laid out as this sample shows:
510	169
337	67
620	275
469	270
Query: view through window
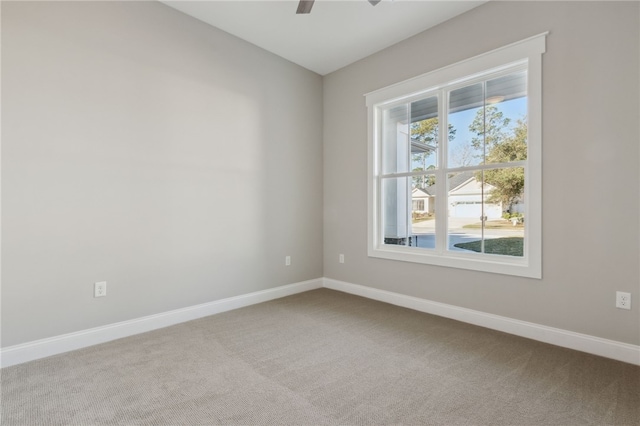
452	173
486	127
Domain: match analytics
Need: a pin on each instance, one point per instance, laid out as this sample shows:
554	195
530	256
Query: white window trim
527	51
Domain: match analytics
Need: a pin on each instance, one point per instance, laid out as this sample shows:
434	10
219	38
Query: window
455	164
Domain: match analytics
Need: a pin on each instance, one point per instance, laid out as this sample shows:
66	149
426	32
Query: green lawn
509	246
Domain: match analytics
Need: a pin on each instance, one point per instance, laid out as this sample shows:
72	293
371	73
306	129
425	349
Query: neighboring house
422	200
465	198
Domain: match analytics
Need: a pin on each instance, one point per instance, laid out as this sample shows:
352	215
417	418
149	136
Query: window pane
423	218
486	211
395	210
506	118
489	121
466	126
424	134
464	205
395	139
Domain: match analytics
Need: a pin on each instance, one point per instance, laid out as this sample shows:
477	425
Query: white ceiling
336	33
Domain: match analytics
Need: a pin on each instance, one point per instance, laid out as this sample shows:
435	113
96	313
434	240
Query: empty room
320	212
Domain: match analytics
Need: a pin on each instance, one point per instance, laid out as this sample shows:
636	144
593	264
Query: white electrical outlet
341	258
287	261
623	300
100	289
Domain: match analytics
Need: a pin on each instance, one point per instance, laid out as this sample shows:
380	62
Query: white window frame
526	53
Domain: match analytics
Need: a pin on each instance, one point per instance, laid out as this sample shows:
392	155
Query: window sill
521	267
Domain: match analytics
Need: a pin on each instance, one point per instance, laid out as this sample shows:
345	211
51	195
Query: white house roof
454	183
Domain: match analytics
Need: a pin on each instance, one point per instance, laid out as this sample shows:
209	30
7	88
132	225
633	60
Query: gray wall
180	164
590	166
145	148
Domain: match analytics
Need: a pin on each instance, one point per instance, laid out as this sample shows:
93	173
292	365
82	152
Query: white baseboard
581	342
30	351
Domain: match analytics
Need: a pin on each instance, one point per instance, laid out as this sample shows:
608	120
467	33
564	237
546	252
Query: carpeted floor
322	357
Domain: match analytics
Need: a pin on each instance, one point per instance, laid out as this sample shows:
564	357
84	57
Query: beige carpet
322	357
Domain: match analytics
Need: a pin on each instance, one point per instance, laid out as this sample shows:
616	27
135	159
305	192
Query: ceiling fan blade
305	6
374	2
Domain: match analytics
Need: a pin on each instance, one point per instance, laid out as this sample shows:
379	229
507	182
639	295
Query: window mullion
520	163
